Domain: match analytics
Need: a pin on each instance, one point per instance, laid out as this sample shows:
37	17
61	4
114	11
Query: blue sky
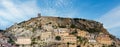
104	11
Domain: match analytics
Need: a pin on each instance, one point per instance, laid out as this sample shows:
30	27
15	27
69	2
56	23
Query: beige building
23	41
61	32
82	33
72	45
71	40
65	37
46	36
104	39
91	38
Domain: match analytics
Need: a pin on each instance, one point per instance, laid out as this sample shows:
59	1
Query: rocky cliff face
82	24
31	27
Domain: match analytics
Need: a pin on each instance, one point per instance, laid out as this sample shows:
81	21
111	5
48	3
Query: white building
92	38
23	42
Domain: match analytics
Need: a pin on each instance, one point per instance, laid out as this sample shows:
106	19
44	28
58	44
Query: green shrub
76	18
93	30
72	26
11	41
58	38
62	26
74	32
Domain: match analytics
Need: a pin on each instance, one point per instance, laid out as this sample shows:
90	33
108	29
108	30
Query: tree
76	18
68	44
93	30
74	32
11	41
78	46
80	39
103	45
58	38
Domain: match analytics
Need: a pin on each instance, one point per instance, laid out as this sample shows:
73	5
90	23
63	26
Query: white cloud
112	18
12	11
16	11
111	21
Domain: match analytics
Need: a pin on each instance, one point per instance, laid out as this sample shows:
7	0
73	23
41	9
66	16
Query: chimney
39	15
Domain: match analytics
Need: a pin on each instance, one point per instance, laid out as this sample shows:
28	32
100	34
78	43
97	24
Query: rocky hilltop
46	31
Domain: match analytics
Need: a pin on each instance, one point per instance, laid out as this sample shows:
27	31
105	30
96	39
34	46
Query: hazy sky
104	11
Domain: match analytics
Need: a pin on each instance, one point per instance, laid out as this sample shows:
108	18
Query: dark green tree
72	26
58	38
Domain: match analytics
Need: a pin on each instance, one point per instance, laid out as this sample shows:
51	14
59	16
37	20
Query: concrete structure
23	41
46	36
65	37
72	45
104	39
4	40
70	39
39	15
61	32
91	38
82	33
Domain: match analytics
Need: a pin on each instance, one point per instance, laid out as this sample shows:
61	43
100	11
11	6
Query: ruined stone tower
39	15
